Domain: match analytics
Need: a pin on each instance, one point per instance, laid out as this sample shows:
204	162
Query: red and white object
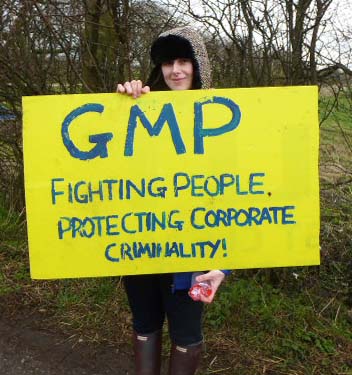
199	289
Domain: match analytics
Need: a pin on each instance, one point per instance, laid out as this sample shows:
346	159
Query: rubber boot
184	360
147	352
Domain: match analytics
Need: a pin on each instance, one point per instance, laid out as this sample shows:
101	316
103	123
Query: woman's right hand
133	88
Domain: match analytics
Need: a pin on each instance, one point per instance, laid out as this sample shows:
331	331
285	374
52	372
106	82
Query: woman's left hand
214	279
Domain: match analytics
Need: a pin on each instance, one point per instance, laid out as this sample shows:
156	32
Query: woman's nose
175	67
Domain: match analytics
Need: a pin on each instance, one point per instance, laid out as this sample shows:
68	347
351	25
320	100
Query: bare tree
270	41
52	46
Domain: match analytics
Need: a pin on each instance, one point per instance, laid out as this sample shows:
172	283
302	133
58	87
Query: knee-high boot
147	351
184	360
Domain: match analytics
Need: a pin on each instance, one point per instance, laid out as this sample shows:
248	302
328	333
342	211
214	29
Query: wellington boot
147	351
184	360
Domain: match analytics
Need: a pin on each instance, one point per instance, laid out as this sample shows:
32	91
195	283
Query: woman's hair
182	42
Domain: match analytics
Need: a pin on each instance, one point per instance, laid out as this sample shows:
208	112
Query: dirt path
26	350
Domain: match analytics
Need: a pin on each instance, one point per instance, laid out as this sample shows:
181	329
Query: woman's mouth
178	79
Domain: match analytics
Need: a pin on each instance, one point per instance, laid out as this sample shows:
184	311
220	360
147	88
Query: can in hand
199	289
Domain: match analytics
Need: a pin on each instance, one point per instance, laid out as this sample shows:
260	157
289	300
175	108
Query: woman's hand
133	88
214	279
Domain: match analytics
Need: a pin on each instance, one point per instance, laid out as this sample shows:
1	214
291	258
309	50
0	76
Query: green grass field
276	321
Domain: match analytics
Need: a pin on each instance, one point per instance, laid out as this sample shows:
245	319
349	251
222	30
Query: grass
283	321
289	330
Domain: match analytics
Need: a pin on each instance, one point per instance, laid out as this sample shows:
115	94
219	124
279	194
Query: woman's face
178	74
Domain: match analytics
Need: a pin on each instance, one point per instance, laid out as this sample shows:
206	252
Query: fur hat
170	47
181	42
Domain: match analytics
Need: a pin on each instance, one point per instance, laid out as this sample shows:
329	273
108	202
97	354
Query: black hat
170	47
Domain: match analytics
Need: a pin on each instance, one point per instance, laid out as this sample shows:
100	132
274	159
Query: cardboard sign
171	182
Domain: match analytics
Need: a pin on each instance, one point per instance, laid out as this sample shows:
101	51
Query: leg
145	301
147	353
185	319
184	360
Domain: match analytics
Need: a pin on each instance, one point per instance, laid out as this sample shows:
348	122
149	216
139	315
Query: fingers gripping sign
133	88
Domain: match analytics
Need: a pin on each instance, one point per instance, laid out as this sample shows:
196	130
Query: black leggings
151	298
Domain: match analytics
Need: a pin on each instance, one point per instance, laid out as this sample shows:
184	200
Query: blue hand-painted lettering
167	115
101	140
200	132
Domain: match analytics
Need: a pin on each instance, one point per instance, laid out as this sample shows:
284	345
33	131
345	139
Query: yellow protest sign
171	182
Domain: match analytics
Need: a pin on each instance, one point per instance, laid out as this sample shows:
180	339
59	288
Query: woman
181	63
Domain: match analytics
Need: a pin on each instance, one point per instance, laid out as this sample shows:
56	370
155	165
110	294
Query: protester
180	63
